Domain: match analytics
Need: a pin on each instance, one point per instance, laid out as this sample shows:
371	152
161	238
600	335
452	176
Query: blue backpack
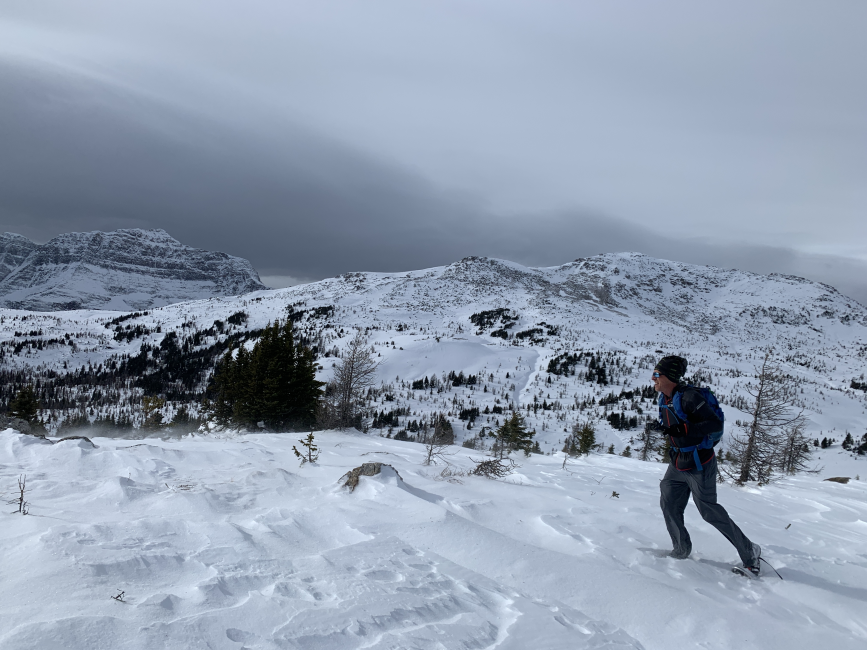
676	410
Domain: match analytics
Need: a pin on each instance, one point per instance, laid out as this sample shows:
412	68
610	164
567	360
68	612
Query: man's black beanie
672	367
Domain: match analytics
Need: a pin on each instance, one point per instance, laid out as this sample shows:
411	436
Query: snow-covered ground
225	542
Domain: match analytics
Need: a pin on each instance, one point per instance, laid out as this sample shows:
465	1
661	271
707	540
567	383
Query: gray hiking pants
675	489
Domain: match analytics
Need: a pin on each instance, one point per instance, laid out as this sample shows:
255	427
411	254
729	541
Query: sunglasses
656	375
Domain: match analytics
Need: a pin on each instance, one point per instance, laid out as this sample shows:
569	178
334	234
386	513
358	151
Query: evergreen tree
513	435
246	389
311	450
286	369
224	387
665	450
181	417
24	405
586	436
103	425
649	439
581	441
274	383
152	419
124	422
75	422
440	430
183	420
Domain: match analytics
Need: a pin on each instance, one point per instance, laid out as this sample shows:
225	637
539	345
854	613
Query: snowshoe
748	571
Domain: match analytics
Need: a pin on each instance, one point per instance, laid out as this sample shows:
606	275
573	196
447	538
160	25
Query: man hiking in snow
693	422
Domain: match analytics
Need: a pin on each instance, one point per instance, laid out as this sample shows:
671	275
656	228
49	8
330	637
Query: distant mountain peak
126	269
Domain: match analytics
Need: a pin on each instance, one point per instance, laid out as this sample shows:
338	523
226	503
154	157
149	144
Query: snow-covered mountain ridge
489	317
627	285
119	270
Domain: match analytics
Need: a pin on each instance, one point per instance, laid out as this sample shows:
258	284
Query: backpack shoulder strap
677	406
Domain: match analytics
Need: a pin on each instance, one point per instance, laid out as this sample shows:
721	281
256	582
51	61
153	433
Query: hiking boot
754	566
680	555
757	554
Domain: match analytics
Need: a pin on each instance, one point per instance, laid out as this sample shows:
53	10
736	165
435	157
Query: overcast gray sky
321	137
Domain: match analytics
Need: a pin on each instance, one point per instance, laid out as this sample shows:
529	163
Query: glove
676	431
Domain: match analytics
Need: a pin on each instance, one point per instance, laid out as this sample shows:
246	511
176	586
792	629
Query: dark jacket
701	421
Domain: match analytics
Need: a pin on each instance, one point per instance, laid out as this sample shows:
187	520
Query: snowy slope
629	307
119	270
227	543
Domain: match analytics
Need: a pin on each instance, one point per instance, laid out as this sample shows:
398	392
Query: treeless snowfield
228	543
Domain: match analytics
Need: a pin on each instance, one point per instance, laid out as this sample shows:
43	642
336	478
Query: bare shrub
20	501
494	468
451	474
772	441
342	405
437	443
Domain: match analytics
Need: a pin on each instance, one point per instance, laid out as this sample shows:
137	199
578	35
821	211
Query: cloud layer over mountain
314	141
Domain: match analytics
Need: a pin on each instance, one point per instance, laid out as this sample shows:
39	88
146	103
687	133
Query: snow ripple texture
219	546
227	543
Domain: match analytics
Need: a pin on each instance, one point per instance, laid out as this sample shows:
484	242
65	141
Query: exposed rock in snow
350	479
120	270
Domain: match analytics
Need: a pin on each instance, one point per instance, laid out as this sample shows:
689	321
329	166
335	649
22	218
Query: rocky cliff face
14	249
121	270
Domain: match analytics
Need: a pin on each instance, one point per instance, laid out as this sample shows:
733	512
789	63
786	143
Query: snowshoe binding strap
761	559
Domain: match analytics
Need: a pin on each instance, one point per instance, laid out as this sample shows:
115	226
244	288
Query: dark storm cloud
81	154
